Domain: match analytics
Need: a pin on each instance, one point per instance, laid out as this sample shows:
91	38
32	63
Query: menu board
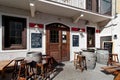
108	45
36	40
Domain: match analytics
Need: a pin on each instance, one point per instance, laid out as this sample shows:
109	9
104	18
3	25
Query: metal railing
103	8
74	3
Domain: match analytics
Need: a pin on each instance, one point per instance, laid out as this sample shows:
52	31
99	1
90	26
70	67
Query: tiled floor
67	71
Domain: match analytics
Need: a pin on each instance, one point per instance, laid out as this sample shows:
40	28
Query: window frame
23	45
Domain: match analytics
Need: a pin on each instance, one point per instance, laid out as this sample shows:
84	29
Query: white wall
40	18
113	28
82	43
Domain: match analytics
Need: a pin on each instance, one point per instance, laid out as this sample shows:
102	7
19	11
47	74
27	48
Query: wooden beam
76	18
32	7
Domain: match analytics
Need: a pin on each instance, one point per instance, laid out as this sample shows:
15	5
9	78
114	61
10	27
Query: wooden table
4	64
115	70
111	69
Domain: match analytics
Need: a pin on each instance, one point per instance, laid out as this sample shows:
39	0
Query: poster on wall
36	40
75	40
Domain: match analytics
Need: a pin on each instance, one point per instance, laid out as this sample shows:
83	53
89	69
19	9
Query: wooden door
90	37
57	41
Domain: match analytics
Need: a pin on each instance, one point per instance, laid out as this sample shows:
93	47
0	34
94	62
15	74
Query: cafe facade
56	28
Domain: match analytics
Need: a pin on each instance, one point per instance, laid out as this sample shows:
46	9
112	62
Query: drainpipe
115	10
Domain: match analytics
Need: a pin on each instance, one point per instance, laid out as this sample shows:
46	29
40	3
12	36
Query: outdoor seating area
24	68
60	40
44	67
113	66
67	71
111	63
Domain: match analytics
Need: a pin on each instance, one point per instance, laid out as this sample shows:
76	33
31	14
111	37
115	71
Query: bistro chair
112	59
75	58
81	62
16	67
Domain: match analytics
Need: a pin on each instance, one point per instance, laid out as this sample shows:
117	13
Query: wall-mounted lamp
82	15
32	4
115	36
37	27
81	32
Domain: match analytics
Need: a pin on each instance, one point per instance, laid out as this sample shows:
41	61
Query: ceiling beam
77	17
32	7
104	23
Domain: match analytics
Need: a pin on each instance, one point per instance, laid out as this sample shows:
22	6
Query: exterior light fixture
81	32
81	15
36	27
32	4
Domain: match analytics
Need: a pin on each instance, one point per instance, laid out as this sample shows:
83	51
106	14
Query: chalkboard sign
108	45
36	40
75	40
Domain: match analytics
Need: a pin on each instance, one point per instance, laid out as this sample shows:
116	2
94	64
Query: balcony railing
103	7
74	3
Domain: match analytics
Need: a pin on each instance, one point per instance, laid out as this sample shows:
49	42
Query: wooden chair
23	71
26	71
75	58
16	67
113	58
81	62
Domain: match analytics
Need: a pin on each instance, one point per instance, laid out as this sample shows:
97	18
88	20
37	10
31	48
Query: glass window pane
54	36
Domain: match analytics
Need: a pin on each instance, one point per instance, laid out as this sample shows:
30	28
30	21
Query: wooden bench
111	69
4	64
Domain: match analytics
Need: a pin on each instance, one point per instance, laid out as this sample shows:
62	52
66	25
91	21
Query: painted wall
45	19
118	6
111	29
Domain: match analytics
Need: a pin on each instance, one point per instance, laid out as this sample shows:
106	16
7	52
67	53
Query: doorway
90	37
58	41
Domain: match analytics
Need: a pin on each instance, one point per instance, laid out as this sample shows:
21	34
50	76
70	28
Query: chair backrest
115	58
75	55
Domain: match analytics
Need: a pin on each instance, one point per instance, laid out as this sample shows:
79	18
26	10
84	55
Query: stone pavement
67	71
70	73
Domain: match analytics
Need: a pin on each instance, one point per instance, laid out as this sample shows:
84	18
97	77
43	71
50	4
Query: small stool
16	65
81	62
75	57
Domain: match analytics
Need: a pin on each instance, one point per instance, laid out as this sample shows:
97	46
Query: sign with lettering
36	40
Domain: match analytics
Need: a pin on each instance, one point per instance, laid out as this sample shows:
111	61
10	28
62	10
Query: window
54	36
14	32
89	4
75	40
